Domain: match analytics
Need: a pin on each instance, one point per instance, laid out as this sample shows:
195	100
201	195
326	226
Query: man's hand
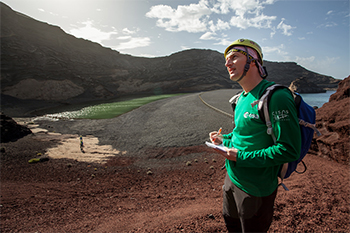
215	138
231	154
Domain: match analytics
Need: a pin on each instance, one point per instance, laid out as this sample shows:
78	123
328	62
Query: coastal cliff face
333	120
42	66
303	85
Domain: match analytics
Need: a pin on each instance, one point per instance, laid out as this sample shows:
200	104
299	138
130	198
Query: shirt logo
281	115
250	115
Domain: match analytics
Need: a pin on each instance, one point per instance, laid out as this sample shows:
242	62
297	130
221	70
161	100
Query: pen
219	132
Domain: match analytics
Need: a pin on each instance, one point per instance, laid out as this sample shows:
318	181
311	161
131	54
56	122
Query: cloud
185	47
91	33
304	60
313	62
285	28
328	20
223	41
132	42
129	32
220	25
247	13
240	7
196	18
277	49
327	25
273	32
322	65
208	36
259	21
191	18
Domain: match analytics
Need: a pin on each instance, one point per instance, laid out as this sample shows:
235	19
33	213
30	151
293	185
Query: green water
114	109
107	110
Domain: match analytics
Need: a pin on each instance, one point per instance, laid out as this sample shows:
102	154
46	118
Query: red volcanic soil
158	189
62	195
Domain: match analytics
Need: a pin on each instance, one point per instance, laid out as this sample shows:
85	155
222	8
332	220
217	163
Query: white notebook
219	147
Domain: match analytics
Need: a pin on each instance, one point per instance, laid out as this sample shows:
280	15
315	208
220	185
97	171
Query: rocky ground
161	177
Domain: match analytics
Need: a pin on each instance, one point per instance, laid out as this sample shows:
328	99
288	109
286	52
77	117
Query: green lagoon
114	109
107	110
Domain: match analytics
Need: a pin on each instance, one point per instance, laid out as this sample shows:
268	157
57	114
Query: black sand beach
173	122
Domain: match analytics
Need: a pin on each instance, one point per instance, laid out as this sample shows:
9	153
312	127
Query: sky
313	33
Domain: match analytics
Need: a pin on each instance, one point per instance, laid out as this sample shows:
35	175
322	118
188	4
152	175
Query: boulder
333	121
10	130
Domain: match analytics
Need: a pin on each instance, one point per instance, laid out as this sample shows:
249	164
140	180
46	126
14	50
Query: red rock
333	120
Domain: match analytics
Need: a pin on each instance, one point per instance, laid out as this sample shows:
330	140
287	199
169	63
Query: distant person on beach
253	159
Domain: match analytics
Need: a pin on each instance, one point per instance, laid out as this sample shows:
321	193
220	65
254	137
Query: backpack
307	119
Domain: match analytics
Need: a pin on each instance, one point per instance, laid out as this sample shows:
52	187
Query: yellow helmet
248	43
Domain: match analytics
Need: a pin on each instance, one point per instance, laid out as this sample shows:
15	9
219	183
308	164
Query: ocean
317	99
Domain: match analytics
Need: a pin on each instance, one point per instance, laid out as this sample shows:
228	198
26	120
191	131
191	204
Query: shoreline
184	118
176	121
24	108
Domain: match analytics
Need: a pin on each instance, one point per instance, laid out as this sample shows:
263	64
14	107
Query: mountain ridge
62	69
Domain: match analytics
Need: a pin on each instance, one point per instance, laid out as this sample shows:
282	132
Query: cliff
333	120
286	72
42	66
302	85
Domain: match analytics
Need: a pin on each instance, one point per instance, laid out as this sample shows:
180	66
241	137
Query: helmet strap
247	65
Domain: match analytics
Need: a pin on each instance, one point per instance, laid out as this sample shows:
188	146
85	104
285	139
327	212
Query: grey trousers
246	213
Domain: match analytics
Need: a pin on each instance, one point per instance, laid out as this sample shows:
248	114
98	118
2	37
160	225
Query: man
253	159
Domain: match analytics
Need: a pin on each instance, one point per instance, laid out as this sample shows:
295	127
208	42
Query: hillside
42	66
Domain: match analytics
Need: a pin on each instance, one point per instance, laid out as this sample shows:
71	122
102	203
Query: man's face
235	62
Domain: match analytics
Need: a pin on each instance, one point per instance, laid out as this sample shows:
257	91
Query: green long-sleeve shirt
258	158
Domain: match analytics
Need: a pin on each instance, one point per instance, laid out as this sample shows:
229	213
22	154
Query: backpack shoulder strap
263	107
233	101
265	99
